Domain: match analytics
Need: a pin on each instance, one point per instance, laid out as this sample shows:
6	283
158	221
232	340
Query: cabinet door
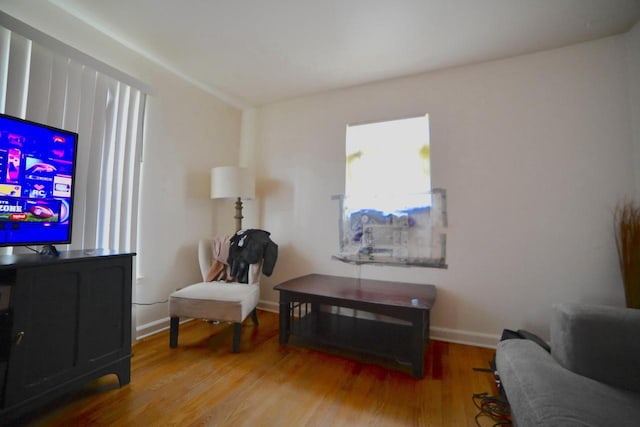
105	310
71	323
44	349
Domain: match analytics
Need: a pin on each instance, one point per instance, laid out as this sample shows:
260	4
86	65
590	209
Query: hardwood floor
201	383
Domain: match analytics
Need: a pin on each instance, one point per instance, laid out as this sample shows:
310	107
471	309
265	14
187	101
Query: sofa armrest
542	393
599	342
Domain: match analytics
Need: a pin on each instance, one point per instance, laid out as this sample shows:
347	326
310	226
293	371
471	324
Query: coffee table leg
419	330
285	320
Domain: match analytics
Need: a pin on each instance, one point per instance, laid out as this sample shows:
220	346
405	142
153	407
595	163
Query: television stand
49	250
64	321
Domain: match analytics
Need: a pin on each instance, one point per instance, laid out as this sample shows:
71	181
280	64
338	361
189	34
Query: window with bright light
388	165
389	213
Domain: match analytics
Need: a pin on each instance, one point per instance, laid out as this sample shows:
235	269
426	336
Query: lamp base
238	216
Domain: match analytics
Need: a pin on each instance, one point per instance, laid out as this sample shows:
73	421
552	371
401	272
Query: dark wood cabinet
68	322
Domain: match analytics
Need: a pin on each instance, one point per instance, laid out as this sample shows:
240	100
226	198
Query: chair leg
254	317
237	329
173	332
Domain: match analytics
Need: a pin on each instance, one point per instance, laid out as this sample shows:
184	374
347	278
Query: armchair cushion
599	342
231	302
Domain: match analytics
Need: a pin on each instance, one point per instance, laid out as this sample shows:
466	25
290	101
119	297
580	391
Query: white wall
187	131
633	46
534	152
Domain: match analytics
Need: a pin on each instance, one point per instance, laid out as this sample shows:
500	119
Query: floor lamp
233	182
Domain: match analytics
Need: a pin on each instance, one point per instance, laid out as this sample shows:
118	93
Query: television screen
37	169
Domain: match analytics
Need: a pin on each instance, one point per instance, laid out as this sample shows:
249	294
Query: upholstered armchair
216	300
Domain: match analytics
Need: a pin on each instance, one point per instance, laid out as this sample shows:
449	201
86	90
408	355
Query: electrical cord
493	407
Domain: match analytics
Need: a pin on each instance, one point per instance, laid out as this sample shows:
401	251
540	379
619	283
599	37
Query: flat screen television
37	172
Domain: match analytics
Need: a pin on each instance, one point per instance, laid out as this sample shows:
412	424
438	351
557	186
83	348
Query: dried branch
627	232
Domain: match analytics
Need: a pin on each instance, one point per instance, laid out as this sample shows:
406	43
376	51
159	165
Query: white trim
271	306
234	101
229	99
157	326
458	336
164	322
437	333
165	325
57	46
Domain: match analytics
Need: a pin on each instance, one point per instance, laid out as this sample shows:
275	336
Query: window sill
409	262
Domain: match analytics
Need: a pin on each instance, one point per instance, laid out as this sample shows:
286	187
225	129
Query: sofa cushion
541	392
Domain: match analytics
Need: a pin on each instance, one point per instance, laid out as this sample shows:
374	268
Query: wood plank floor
201	383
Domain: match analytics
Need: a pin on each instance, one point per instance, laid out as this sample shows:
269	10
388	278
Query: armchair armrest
599	342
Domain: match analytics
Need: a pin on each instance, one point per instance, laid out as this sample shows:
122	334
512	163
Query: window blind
46	85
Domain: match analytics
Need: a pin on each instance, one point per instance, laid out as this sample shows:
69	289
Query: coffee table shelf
355	334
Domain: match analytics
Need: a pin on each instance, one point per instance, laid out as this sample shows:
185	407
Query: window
389	213
388	165
46	81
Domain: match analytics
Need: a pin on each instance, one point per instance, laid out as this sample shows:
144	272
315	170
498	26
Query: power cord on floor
493	407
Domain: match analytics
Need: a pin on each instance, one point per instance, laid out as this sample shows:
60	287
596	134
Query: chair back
205	256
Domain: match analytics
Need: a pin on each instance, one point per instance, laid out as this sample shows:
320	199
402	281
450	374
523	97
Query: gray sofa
590	378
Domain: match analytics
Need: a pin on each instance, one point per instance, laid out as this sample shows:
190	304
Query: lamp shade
230	182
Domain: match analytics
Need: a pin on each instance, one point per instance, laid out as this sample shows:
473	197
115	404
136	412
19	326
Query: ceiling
255	52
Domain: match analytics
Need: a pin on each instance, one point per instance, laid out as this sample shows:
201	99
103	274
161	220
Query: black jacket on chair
248	247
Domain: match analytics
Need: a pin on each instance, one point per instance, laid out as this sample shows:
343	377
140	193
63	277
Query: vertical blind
47	86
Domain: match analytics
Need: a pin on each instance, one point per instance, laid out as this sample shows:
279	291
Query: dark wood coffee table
312	309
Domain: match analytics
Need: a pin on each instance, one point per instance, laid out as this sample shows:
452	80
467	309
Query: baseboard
437	333
152	328
271	306
157	326
441	334
464	337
